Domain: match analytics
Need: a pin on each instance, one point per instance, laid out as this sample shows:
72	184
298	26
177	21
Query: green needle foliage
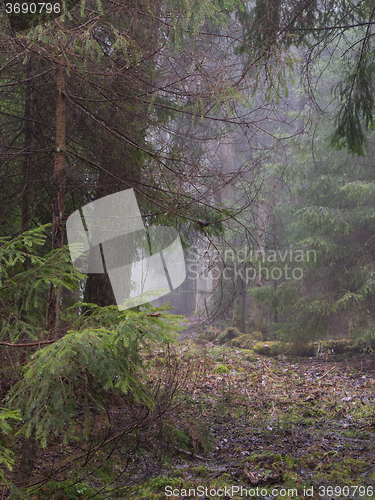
6	454
274	29
72	377
333	216
25	275
357	104
68	386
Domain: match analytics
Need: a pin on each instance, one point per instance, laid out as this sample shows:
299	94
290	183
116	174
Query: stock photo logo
108	236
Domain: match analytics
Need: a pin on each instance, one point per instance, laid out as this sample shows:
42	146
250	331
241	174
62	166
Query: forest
187	249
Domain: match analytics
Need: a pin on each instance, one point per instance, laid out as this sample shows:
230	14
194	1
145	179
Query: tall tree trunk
239	305
262	232
26	156
98	289
29	446
57	191
26	182
26	461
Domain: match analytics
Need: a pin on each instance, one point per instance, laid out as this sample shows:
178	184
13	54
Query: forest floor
258	427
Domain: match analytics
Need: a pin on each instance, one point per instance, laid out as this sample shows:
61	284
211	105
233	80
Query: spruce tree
327	225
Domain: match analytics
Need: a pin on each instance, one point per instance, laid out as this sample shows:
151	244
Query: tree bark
57	191
26	156
262	233
98	289
26	183
26	462
30	445
239	305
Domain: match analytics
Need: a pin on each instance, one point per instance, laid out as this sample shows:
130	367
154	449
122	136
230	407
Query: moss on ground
286	423
271	348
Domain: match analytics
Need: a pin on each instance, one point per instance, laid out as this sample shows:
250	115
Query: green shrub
23	293
83	366
65	491
221	369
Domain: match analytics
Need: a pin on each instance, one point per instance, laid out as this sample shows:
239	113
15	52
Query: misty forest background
246	126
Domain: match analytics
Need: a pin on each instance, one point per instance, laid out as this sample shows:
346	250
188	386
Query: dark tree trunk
26	181
99	290
26	462
26	156
57	192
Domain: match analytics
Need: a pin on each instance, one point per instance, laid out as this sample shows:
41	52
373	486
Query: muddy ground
277	427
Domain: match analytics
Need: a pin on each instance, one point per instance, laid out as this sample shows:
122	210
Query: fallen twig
190	453
326	372
273	375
